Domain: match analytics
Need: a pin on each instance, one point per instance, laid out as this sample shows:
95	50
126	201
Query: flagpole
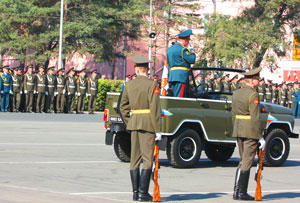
61	34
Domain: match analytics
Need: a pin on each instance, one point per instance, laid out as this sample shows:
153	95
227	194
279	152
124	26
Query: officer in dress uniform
218	85
296	99
5	88
226	84
289	101
29	88
234	83
51	86
209	82
71	90
283	95
81	90
246	128
275	94
180	57
92	91
141	98
269	91
41	89
60	91
17	86
262	90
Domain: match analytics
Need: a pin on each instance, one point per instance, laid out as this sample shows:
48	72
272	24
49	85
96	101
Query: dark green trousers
60	101
247	150
16	101
40	102
142	145
80	103
92	103
29	101
70	102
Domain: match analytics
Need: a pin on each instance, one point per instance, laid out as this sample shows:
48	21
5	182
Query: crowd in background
42	90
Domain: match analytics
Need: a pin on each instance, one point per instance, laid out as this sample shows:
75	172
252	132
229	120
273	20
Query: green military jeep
202	122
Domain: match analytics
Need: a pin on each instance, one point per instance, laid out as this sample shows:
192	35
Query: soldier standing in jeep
180	57
141	98
246	128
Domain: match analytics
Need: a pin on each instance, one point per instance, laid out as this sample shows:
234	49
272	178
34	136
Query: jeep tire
218	153
122	146
184	149
277	148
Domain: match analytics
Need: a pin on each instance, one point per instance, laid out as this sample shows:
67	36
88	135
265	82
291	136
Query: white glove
46	93
2	92
262	143
11	92
86	95
25	91
69	93
34	92
21	92
55	93
64	91
78	94
157	136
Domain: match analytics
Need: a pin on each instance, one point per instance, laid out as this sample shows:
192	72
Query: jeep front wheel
277	148
122	146
184	149
218	153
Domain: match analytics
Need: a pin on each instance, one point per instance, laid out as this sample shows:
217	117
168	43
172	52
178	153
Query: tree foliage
90	26
250	35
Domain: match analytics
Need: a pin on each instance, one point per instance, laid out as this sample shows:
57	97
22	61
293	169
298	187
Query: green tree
250	35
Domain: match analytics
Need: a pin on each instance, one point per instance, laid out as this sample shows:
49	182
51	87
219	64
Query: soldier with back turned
246	129
141	112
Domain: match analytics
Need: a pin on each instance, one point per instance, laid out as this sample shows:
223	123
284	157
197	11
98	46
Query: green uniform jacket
60	84
262	92
93	86
41	83
141	93
234	86
218	86
71	84
269	92
17	83
29	82
209	84
81	85
227	87
51	84
245	113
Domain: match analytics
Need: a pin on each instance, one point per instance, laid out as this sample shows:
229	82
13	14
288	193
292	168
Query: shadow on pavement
185	197
205	163
283	195
291	163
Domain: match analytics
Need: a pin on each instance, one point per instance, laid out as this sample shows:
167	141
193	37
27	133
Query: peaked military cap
155	76
127	76
6	66
61	70
70	70
50	68
141	61
84	69
29	66
185	34
93	71
254	73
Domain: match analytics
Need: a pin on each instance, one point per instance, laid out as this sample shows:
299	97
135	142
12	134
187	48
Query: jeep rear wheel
122	146
277	148
184	149
218	152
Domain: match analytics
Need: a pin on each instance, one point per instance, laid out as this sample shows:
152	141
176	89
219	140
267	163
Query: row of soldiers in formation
281	94
38	91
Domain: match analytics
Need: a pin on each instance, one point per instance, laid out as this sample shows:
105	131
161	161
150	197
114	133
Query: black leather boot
135	179
236	185
243	186
144	196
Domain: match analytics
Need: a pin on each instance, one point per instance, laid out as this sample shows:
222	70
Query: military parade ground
63	158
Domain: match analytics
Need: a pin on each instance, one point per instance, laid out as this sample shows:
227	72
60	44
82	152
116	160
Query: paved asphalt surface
63	158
